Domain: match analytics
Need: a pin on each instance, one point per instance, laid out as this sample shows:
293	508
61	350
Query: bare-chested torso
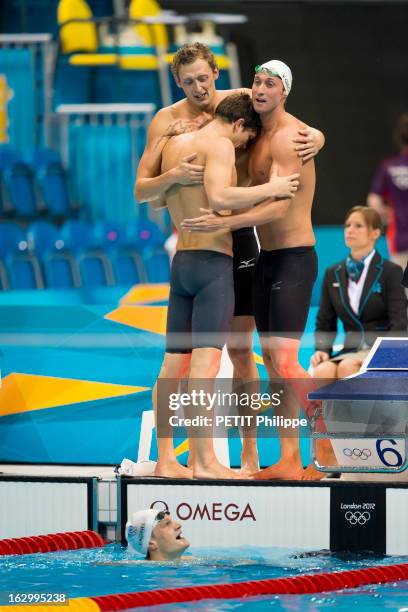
295	229
185	201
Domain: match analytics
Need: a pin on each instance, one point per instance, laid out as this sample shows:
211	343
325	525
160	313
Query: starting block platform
365	416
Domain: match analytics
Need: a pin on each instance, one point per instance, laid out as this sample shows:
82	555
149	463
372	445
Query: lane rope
294	585
69	540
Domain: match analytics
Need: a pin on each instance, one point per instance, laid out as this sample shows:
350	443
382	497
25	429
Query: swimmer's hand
308	143
283	187
319	357
210	221
187	173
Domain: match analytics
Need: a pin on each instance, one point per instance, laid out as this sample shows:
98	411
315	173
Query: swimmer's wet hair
371	216
238	106
187	54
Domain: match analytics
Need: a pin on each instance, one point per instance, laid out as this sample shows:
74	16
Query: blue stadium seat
95	269
18	189
60	268
61	271
52	182
4	281
109	235
42	236
144	235
77	236
127	264
157	265
128	267
24	271
94	266
12	239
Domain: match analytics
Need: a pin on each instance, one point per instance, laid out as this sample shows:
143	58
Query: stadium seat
76	236
128	267
94	266
4	281
51	182
127	264
109	235
42	236
24	271
60	268
18	189
12	239
144	235
95	269
157	264
61	271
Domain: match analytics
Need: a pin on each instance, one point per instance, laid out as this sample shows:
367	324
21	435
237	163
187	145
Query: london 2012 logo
357	517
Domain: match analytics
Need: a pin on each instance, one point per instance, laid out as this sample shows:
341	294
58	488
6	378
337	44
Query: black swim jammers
284	280
246	252
201	302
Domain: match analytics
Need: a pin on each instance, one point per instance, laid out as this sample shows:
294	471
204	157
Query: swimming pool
110	570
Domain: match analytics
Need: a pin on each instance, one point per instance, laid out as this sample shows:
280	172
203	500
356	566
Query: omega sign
216	511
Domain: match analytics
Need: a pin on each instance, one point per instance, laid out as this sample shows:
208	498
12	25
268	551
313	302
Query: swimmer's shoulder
288	130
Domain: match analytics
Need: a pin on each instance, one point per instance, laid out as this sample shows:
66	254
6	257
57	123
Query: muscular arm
218	171
285	162
150	184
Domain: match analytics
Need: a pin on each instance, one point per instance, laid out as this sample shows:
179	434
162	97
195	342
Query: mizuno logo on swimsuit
276	285
247	263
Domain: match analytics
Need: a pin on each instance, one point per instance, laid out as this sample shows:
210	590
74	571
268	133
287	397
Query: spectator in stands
364	292
389	195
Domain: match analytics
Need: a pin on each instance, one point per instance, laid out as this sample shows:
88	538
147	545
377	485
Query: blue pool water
112	570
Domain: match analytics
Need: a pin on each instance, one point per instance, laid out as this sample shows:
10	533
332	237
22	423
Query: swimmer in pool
156	536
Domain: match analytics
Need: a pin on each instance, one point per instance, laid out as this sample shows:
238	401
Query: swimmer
195	72
201	301
155	536
287	266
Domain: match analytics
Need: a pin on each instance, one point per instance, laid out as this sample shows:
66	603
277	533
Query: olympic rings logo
355	518
357	453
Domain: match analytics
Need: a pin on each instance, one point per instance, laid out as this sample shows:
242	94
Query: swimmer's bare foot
249	462
215	470
283	470
172	469
326	456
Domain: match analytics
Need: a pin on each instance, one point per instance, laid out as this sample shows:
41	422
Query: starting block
365	416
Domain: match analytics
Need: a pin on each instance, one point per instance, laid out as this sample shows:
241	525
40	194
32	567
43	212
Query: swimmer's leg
204	367
174	368
245	380
280	357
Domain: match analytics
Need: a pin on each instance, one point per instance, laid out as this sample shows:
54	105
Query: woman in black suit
364	292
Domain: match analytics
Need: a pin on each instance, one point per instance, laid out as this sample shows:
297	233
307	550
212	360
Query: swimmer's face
197	80
267	92
241	135
167	539
357	234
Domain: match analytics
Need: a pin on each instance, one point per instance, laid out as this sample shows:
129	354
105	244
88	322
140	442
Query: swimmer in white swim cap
155	535
276	68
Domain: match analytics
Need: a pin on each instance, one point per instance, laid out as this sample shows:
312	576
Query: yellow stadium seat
152	35
80	40
76	36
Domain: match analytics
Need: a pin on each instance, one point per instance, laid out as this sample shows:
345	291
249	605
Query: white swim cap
278	68
139	530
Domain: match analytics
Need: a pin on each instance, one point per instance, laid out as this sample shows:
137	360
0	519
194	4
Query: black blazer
405	277
383	306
